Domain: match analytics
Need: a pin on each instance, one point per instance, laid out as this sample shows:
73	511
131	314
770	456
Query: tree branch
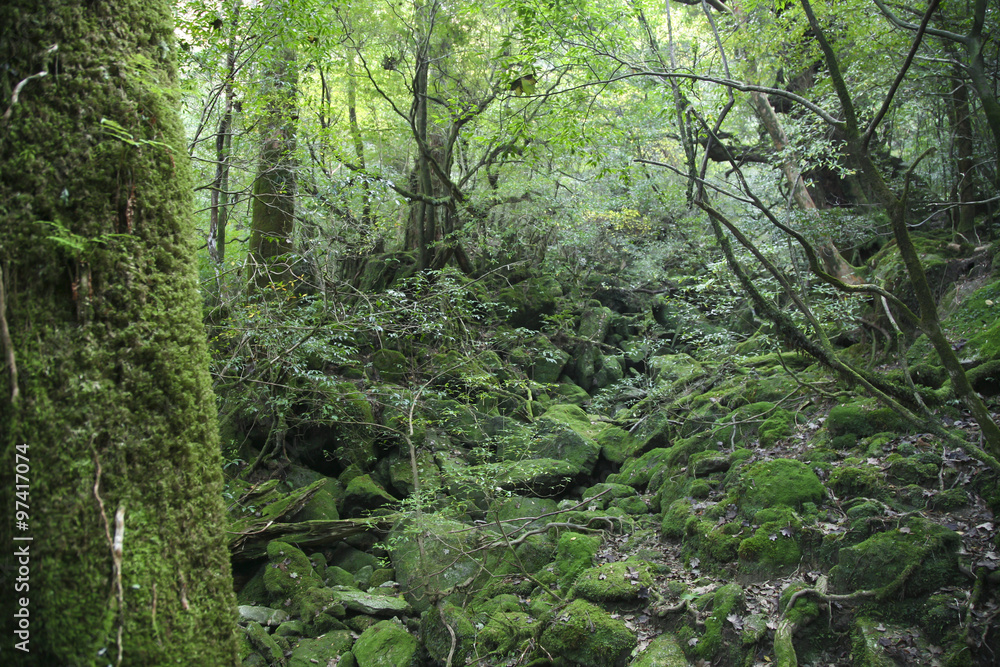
870	132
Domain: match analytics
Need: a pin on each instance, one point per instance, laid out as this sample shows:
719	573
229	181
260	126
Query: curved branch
899	23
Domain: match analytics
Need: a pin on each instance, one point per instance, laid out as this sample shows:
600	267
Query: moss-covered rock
848	419
915	469
568	391
555	440
541	361
322	505
457	420
390	365
528	301
675	369
516	511
588	636
506	630
675	518
338	576
321	650
712	542
485	608
352	559
387	644
862	419
431	555
264	644
254	592
534	475
806	608
664	651
654	431
574	417
856	480
637	473
288	571
611	369
702	464
725	600
616	444
985	378
601	495
614	582
371	604
575	553
264	615
780	424
975	321
786	482
866	645
918	558
595	322
363	494
446	632
774	545
401	473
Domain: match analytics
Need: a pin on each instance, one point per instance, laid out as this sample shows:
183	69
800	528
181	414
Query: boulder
624	581
530	300
364	494
664	651
776	482
387	644
447	632
587	635
321	650
431	555
366	603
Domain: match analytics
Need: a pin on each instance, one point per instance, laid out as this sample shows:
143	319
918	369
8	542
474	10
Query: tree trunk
219	214
121	550
963	190
426	213
984	85
273	217
833	261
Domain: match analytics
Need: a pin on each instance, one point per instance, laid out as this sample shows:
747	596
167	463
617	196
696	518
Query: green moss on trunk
115	404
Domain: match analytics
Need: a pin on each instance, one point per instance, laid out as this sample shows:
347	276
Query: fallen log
251	544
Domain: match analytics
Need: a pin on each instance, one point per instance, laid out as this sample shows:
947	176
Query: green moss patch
588	636
575	553
387	643
614	582
777	482
917	558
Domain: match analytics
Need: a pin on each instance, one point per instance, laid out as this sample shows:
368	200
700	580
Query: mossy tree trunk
273	219
114	410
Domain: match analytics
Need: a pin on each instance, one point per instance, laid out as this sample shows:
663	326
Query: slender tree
106	405
274	190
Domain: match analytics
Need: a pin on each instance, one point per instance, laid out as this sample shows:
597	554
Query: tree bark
219	214
115	421
273	216
963	190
